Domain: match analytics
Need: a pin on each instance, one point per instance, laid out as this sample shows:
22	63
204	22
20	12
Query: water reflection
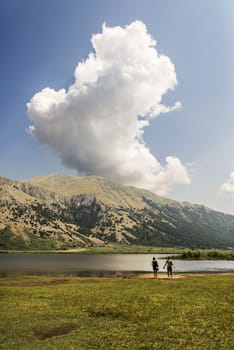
100	264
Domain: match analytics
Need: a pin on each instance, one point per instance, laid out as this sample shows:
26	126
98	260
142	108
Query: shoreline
116	275
163	276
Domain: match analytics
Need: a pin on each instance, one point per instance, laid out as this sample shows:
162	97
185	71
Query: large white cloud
228	187
97	125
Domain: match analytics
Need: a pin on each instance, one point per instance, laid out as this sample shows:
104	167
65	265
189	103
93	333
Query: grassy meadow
195	312
182	253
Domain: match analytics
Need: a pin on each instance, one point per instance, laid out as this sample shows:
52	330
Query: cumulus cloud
228	187
97	125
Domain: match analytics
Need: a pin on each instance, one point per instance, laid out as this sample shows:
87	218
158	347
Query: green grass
183	253
108	249
131	249
191	313
207	254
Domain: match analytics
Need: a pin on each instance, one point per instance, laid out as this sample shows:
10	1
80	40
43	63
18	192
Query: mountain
59	212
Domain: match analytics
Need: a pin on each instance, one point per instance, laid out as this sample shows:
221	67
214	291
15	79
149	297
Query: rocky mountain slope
58	211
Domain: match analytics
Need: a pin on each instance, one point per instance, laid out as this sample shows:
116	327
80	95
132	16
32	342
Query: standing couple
169	264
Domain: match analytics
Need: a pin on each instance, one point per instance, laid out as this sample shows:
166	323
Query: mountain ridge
94	185
63	211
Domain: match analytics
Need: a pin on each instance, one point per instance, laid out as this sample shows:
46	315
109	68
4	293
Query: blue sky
42	43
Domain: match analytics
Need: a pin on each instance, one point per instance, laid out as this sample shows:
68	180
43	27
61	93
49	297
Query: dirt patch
176	276
54	332
91	280
160	276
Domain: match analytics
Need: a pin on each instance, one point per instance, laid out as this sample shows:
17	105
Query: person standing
155	267
169	264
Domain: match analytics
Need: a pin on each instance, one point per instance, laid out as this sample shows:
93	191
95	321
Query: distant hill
59	212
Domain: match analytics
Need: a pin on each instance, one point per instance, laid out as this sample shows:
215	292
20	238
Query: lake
99	264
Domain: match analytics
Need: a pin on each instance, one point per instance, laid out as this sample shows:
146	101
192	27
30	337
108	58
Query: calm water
97	264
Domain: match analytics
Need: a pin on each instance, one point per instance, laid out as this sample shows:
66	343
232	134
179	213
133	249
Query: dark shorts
169	269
